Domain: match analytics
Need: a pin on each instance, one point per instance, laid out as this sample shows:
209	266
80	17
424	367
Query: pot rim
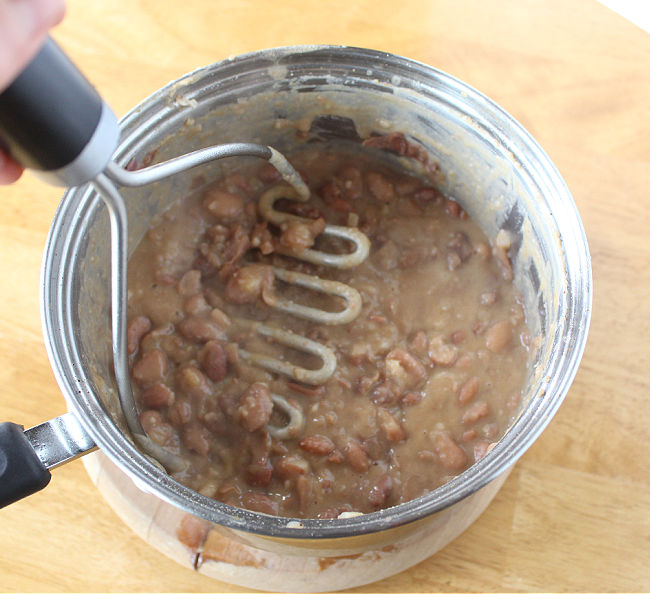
535	417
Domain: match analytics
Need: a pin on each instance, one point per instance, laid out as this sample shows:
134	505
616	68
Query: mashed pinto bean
428	377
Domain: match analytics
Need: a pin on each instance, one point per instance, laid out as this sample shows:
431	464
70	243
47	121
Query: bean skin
304	491
394	142
452	208
419	343
458	336
411	398
262	239
488	298
427	195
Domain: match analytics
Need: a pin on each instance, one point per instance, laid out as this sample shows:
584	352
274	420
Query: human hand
23	27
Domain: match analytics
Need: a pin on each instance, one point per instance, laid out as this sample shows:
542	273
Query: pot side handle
26	457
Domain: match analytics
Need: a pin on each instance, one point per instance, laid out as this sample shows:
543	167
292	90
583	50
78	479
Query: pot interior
491	166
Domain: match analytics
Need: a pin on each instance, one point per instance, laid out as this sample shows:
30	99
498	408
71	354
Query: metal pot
493	167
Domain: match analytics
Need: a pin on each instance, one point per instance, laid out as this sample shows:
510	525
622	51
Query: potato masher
54	122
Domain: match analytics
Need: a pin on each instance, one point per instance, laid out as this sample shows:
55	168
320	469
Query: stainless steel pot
495	170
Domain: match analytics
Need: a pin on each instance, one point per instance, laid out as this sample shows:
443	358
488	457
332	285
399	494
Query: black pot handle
21	470
53	122
27	456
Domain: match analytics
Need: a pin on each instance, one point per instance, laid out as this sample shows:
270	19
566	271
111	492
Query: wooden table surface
575	512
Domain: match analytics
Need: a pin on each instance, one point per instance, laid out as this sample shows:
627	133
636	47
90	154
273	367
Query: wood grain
574	514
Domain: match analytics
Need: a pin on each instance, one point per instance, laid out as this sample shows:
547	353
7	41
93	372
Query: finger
10	171
23	27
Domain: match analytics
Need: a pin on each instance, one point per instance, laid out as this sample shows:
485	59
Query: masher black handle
54	122
21	470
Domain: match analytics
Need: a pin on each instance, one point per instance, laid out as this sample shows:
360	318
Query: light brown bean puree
429	375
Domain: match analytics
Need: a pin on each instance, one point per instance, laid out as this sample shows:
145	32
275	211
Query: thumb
10	171
23	27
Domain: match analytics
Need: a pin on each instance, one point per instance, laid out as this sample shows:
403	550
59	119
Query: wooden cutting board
574	514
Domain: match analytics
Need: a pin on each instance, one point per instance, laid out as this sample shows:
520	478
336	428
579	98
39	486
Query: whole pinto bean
299	236
380	187
151	368
404	369
247	284
450	454
180	412
304	491
291	466
468	390
255	407
441	352
213	360
223	205
201	329
196	305
390	426
135	330
317	444
157	396
355	455
476	411
156	428
259	473
260	502
380	491
196	438
498	336
190	283
191	381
